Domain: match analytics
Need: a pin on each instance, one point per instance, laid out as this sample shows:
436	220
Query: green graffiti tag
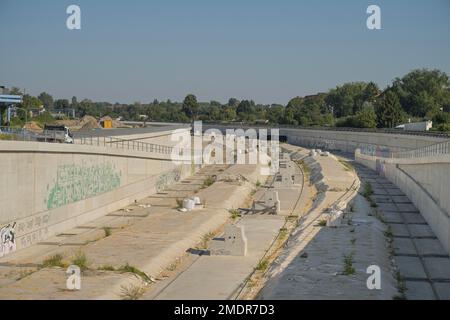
167	179
75	183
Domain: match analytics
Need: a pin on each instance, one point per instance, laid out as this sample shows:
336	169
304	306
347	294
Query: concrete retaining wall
47	188
425	182
349	141
345	141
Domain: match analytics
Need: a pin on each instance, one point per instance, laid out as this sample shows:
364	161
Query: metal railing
436	134
15	134
438	149
8	133
117	143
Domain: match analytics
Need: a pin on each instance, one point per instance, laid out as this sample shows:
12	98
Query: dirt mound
32	126
119	124
89	123
68	123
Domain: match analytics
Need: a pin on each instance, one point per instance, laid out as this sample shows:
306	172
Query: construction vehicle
56	133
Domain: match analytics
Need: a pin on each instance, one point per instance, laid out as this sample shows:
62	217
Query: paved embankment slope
320	262
147	239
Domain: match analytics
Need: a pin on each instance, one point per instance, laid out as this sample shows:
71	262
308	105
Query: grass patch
7	137
348	265
368	190
172	267
54	261
107	231
322	223
80	260
305	168
388	233
283	233
131	269
24	274
258	184
106	267
234	213
262	265
347	166
209	181
131	292
401	287
205	239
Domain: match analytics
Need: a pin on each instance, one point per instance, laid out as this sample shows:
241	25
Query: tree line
421	94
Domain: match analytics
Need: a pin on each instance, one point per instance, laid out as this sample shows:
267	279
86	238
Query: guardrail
8	133
442	148
344	129
117	143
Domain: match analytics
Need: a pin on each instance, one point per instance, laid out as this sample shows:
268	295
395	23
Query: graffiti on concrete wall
31	230
167	179
7	239
380	167
78	182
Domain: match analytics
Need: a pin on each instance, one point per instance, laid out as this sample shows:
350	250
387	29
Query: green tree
74	102
30	102
389	110
423	92
190	106
61	104
348	99
47	100
366	118
246	110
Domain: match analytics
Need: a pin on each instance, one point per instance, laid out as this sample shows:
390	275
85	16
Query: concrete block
419	290
413	218
410	267
234	242
438	268
387	207
399	230
335	218
429	247
420	230
407	207
392	217
269	202
404	246
442	290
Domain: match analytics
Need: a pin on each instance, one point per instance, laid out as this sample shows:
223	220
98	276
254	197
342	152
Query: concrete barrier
345	141
349	141
48	188
426	183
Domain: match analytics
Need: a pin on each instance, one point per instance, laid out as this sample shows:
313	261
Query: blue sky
269	51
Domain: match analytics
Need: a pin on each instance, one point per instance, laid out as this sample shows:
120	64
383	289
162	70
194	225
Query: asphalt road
127	131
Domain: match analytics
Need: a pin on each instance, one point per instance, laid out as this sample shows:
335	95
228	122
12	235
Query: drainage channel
421	260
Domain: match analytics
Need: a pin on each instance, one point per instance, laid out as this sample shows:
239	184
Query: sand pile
119	124
68	123
32	126
89	123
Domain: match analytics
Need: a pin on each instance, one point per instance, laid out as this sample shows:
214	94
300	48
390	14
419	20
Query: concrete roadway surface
151	128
